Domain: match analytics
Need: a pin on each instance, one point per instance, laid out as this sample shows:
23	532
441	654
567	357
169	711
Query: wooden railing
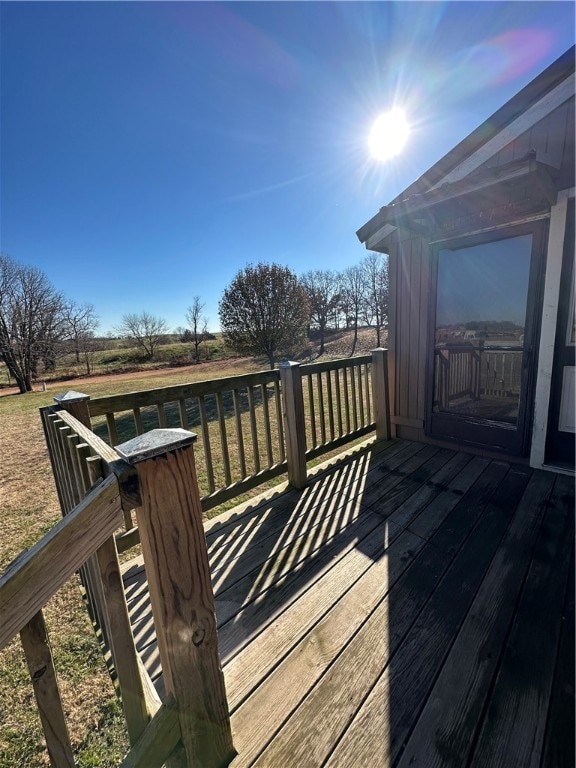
147	489
471	372
339	395
154	477
242	420
502	371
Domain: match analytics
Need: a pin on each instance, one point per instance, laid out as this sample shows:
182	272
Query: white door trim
548	329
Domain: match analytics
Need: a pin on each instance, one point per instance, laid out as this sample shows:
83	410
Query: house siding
411	281
410	284
550	139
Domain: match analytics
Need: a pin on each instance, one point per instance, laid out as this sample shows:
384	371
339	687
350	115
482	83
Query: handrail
34	577
242	411
241	421
100	406
31	580
162	478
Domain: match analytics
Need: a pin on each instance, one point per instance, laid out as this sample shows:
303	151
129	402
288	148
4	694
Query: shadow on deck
411	606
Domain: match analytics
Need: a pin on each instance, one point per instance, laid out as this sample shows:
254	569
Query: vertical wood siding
410	276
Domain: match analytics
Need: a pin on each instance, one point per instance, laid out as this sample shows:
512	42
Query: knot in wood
198	636
39	673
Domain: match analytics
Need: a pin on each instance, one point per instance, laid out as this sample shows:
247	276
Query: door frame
473	431
555	250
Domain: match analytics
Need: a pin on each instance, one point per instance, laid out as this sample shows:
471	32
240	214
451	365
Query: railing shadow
267	558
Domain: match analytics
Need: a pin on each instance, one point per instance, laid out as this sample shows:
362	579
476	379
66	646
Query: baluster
321	406
312	414
279	420
206	444
239	434
253	429
339	404
354	404
267	425
223	438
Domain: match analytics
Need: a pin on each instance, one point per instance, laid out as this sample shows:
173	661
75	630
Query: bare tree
31	320
145	330
322	290
81	322
353	298
264	311
198	325
375	269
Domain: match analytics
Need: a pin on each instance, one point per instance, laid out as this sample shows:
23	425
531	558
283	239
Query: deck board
446	727
375	617
514	725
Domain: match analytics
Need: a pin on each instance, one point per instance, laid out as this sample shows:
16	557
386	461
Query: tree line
266	310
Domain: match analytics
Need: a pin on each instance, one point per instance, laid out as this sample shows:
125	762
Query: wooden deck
412	606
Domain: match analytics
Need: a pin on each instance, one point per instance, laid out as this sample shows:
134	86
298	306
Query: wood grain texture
36	646
100	406
158	742
27	586
340	616
135	702
173	543
380	393
514	726
397	695
559	748
445	731
294	425
290	582
395	591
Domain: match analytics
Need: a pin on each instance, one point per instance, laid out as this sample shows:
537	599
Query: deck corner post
181	594
381	393
76	403
295	426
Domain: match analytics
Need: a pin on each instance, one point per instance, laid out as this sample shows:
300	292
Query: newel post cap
155	443
71	397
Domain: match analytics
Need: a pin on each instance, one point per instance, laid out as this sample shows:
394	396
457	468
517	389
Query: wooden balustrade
470	372
239	422
272	423
34	577
246	423
193	722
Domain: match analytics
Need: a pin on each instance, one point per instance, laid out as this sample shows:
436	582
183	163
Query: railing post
76	403
181	595
295	426
380	393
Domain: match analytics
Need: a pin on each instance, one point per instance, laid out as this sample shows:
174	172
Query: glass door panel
481	340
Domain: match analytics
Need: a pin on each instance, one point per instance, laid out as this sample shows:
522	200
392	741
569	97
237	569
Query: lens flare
388	135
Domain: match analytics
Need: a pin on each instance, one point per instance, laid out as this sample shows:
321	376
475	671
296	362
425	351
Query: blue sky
150	150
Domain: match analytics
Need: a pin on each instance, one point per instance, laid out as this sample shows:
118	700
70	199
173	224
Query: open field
117	359
29	509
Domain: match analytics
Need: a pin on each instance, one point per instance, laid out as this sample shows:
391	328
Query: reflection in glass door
482	342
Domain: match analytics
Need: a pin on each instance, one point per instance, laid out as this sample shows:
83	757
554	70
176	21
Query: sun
388	135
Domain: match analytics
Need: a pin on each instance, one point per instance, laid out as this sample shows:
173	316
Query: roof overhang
487	196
